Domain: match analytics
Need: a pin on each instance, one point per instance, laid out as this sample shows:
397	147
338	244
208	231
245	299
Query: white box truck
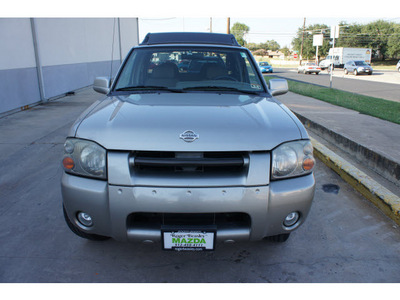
339	56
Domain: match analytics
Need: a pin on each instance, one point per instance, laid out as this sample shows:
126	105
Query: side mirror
102	85
278	87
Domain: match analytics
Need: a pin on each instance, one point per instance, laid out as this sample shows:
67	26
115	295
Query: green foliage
285	51
383	37
268	45
309	50
376	107
239	30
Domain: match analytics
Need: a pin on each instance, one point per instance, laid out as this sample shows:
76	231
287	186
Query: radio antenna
112	49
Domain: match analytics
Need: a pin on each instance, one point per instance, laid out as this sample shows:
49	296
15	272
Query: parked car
357	67
187	159
308	68
265	67
398	66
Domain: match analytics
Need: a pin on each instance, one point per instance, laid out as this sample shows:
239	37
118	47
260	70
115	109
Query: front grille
189	161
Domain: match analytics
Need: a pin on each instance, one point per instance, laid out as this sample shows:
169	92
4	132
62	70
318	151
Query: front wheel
355	72
80	233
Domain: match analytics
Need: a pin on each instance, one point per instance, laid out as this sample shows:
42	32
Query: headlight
292	159
84	158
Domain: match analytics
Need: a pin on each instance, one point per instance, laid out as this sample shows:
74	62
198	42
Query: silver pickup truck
188	149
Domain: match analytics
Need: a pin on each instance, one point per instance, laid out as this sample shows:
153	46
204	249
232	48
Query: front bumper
111	206
364	71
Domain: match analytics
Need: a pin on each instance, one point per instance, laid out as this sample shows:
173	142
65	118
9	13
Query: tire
80	233
280	238
355	72
346	72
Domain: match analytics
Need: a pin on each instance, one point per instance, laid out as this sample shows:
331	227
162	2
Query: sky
282	30
276	20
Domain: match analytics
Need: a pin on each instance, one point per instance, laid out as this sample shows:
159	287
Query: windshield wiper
220	88
148	88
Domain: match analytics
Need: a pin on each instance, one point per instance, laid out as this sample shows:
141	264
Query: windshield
360	63
263	64
186	69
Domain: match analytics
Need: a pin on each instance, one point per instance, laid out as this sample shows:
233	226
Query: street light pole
333	60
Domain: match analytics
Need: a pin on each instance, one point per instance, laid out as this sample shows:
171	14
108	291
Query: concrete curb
384	199
384	166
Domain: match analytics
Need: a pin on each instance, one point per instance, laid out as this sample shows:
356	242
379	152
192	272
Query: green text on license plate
187	240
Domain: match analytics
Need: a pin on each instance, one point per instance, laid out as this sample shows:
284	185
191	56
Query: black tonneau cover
190	38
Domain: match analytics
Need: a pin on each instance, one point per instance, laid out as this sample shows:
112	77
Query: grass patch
376	107
384	65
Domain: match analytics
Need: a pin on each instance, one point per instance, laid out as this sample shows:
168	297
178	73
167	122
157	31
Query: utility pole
211	24
302	41
228	27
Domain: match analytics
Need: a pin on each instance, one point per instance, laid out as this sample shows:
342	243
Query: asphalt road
381	84
345	238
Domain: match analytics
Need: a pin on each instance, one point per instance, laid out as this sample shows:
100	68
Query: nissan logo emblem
189	136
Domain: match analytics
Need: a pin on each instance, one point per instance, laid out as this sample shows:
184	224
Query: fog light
85	219
291	219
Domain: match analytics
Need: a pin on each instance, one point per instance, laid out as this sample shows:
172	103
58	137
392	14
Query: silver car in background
308	68
187	157
357	67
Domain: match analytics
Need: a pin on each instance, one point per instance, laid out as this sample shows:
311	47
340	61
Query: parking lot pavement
345	238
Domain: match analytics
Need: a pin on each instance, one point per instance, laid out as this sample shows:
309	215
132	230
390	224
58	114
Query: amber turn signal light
68	163
308	164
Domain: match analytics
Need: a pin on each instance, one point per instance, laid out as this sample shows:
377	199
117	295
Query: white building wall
71	52
18	74
16	49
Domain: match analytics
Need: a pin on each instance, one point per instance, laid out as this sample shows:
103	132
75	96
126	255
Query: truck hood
219	122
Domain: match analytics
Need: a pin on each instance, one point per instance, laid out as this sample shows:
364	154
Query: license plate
188	240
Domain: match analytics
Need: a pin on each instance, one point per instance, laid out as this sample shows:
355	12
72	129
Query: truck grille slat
189	162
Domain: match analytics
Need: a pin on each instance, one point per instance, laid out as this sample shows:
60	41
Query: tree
350	36
272	45
394	43
378	33
239	30
286	51
268	45
309	50
381	36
